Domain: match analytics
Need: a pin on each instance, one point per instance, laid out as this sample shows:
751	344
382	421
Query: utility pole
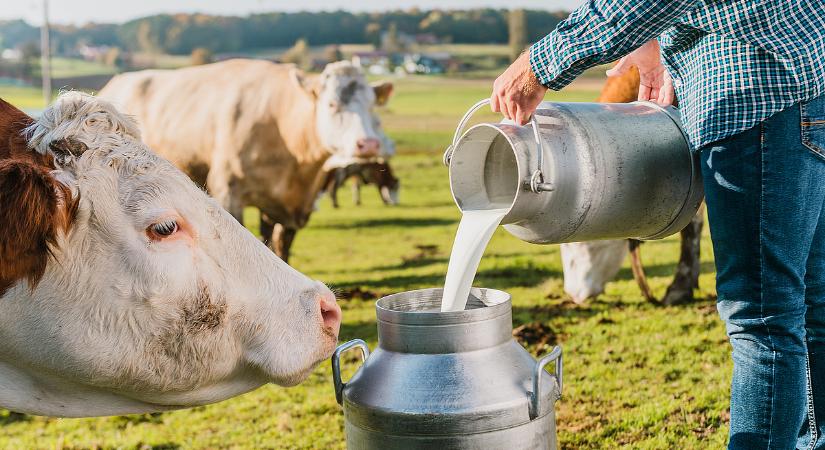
45	57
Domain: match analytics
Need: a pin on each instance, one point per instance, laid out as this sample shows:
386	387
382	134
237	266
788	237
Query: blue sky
82	11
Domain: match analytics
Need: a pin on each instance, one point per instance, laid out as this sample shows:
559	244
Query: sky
83	11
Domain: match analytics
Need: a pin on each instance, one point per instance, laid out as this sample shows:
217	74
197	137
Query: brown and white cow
254	132
124	288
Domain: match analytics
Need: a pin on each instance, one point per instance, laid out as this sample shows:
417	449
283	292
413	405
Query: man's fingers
504	107
667	95
644	92
494	103
522	116
620	68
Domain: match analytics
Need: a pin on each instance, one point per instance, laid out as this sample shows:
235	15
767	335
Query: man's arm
597	32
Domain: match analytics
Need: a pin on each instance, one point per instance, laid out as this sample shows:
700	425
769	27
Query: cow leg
281	242
333	193
356	191
686	278
267	228
341	176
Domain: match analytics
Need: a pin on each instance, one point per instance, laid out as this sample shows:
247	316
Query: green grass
74	67
637	376
27	98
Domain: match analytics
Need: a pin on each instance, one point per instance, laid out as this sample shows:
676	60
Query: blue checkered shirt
734	63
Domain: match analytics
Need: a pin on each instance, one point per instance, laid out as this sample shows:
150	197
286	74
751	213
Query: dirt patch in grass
535	334
357	293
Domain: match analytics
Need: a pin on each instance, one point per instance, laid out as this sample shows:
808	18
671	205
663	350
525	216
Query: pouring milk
478	223
474	232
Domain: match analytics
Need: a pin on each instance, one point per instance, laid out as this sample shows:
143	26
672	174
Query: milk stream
474	232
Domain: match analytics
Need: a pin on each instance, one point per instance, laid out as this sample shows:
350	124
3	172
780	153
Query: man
749	77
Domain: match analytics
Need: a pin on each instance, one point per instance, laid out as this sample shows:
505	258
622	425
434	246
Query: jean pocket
813	125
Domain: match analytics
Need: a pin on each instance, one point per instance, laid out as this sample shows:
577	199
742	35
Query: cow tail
635	247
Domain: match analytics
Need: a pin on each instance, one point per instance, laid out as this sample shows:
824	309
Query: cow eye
163	229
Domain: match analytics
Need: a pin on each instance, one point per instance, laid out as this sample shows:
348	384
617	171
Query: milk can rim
487	312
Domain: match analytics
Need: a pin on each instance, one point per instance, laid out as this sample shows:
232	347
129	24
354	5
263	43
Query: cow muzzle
368	147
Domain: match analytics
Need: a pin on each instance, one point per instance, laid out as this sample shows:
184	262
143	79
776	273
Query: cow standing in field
256	133
124	288
588	266
378	173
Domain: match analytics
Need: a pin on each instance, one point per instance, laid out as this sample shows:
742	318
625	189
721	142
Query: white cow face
346	122
156	295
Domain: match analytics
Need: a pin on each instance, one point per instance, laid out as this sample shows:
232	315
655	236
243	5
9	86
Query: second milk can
580	172
448	380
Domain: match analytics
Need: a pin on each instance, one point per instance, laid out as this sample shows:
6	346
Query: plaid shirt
734	63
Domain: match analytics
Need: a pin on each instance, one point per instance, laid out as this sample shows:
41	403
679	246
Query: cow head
346	123
153	297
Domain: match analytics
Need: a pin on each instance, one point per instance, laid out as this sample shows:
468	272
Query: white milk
474	232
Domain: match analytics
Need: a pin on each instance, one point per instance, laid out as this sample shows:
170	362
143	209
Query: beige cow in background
256	133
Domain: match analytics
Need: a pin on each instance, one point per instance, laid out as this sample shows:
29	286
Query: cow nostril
368	145
330	313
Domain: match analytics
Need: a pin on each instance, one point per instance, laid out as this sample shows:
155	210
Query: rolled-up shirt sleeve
601	31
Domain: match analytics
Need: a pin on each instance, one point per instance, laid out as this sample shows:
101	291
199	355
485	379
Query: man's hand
517	92
655	83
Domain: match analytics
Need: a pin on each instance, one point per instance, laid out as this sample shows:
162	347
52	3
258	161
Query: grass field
637	376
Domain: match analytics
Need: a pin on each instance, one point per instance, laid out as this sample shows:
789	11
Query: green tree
113	57
517	31
30	60
201	56
332	53
298	54
392	42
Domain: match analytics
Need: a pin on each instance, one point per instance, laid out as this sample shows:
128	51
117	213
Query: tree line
183	33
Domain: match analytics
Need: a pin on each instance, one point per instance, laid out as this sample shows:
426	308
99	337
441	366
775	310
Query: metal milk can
448	380
580	172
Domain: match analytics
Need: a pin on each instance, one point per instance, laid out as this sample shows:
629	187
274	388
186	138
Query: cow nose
368	146
330	312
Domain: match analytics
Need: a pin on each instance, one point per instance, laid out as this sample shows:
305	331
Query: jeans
765	191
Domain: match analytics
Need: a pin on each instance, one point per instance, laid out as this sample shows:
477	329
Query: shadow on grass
388	222
515	276
412	263
163	446
496	278
10	417
662	270
555	309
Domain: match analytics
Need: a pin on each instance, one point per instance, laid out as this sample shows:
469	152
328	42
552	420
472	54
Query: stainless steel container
448	380
580	172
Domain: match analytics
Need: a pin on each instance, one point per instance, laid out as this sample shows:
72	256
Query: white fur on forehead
342	68
85	118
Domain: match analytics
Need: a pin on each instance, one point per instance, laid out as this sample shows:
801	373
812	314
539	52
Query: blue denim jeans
765	191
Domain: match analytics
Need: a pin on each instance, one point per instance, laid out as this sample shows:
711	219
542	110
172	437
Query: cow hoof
678	297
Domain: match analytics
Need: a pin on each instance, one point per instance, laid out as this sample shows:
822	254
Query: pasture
637	375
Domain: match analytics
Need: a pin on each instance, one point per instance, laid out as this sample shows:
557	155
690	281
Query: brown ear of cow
34	208
383	91
308	84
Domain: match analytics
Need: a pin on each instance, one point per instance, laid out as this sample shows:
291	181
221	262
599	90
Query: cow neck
296	124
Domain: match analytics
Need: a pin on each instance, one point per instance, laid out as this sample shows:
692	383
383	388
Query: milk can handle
336	365
537	183
535	395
